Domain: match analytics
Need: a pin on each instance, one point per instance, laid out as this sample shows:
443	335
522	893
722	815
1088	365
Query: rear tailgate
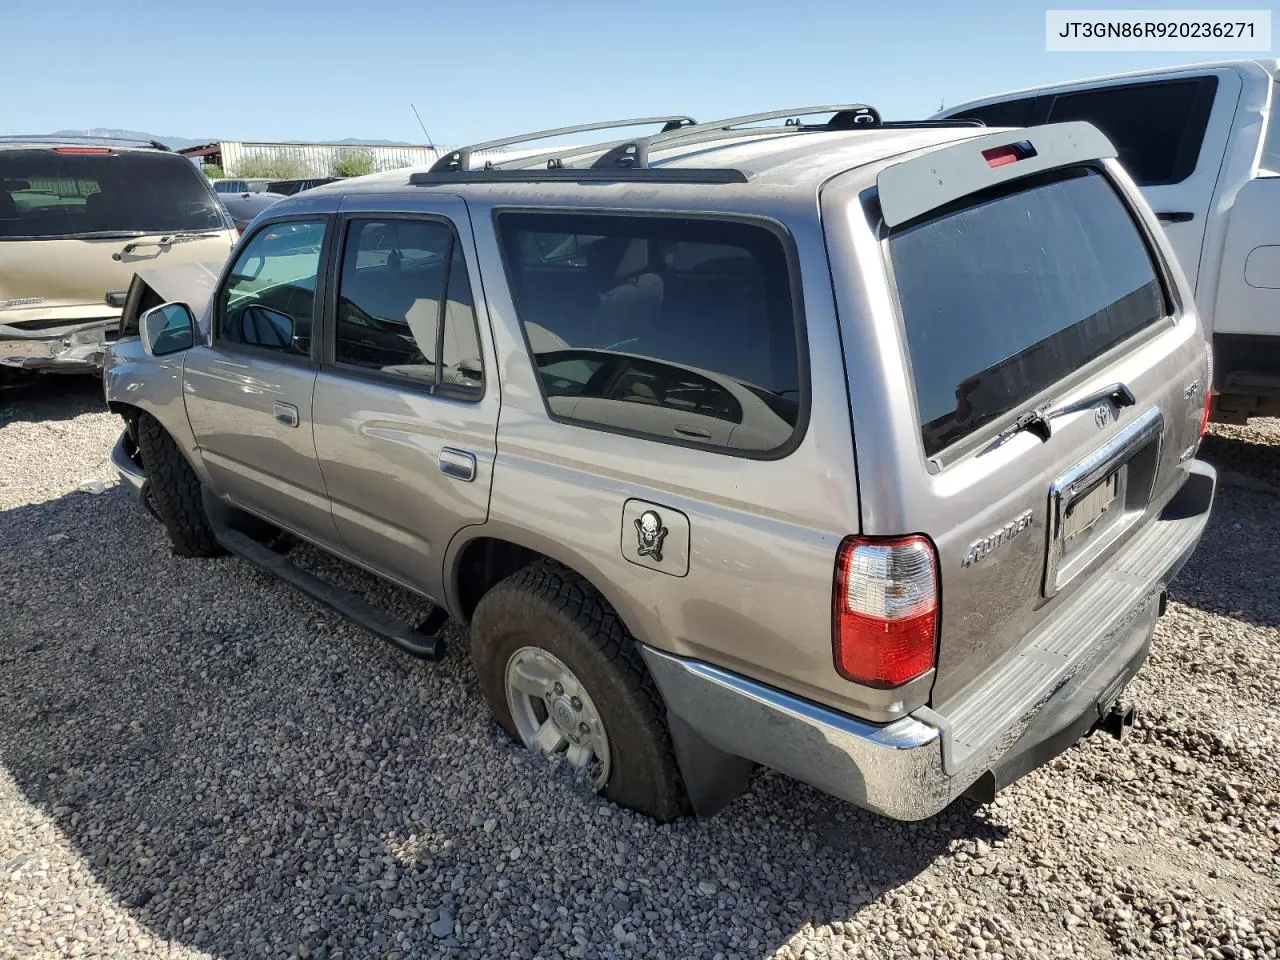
77	221
1031	287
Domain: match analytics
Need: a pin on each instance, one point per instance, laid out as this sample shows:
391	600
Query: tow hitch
1119	718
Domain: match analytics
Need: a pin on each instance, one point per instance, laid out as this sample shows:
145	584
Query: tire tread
175	491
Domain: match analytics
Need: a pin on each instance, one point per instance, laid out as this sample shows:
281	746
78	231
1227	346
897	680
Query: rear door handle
1174	216
457	464
285	413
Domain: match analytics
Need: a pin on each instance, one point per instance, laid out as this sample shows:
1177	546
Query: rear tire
175	491
550	608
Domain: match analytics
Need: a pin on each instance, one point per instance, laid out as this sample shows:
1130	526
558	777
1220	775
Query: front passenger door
249	390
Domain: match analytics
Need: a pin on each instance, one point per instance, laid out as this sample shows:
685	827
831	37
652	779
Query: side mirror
167	329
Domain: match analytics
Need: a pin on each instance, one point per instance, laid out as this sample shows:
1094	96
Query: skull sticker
649	535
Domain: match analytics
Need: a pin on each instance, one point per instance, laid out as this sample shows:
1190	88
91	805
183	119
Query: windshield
1006	296
49	195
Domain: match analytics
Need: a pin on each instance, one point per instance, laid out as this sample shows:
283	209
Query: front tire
545	641
174	491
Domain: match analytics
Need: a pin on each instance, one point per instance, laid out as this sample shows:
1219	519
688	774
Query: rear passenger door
405	414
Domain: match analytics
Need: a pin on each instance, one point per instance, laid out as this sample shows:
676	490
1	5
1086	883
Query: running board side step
422	641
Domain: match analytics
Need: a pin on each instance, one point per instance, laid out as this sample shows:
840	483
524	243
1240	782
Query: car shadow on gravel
1250	458
1237	562
41	397
244	773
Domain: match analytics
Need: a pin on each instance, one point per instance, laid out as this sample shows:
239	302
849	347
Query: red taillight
885	611
1009	153
81	149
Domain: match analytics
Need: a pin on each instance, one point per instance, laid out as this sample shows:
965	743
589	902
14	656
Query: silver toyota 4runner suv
861	450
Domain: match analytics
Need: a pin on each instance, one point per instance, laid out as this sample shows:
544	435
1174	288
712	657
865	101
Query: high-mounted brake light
81	149
1009	153
885	611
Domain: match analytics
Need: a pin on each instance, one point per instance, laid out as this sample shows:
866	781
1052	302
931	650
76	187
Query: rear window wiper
1039	421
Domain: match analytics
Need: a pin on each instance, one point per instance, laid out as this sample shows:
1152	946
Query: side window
1157	128
269	299
1011	113
405	306
681	330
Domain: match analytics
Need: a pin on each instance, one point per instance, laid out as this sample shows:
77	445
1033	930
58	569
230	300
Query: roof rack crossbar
459	159
853	114
58	138
635	152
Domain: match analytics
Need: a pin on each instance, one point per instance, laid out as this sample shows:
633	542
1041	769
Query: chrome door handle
285	413
457	464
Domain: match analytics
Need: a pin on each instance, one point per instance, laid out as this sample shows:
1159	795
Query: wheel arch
480	557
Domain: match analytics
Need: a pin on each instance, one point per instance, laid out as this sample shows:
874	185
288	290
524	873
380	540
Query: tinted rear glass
1004	297
44	194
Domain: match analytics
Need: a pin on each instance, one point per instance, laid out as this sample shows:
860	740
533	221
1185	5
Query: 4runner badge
649	535
980	548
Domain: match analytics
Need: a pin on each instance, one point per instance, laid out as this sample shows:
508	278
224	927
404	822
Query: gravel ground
196	761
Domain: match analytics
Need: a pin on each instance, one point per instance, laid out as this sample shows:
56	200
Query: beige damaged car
77	219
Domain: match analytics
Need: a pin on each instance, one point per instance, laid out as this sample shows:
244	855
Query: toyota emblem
1102	415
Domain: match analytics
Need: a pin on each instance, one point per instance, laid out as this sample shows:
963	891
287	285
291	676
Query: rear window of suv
49	195
1010	293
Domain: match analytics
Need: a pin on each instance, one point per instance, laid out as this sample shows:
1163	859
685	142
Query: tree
271	168
354	163
212	171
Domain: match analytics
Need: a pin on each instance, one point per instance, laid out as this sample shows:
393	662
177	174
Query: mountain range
181	143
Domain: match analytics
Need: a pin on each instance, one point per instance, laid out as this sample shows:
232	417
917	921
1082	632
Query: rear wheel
562	675
174	491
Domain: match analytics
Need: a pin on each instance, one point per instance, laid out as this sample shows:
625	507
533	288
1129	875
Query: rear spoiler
914	187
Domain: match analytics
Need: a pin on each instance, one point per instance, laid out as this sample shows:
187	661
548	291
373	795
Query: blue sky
322	69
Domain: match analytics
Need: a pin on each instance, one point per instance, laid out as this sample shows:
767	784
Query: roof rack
62	138
633	153
459	160
629	158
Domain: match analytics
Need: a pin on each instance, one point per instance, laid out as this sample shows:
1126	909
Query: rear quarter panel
1249	284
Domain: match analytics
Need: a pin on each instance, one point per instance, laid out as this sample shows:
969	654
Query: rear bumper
1024	710
77	347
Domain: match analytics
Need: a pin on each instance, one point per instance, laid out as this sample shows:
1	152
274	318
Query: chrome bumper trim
898	769
894	769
